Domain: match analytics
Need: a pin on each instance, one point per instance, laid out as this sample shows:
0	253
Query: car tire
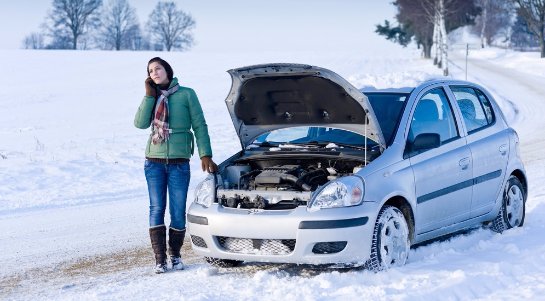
390	246
513	209
223	263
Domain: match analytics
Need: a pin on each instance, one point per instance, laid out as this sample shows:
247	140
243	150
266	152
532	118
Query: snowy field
73	198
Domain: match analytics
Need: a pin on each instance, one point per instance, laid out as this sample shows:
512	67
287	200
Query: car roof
404	90
409	89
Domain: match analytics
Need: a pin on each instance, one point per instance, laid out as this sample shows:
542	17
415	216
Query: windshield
313	135
388	108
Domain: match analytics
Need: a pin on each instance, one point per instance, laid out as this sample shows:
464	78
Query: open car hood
274	96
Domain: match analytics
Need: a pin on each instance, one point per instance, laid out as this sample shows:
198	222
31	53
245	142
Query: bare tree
484	15
34	41
446	15
496	16
436	12
119	25
533	12
418	19
440	12
73	18
171	27
437	53
415	21
521	36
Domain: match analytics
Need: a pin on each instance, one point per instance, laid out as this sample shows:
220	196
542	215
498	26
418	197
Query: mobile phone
151	82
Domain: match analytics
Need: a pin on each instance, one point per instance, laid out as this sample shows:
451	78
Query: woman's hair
168	69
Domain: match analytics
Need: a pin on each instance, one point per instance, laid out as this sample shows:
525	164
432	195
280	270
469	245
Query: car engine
273	185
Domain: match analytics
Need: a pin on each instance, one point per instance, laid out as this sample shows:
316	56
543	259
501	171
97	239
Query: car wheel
390	246
513	210
223	263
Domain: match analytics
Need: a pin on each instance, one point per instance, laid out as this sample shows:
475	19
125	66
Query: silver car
329	174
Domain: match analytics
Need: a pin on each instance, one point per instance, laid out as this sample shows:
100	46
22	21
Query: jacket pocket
156	150
180	145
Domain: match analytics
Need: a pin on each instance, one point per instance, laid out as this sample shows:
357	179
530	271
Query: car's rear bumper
340	235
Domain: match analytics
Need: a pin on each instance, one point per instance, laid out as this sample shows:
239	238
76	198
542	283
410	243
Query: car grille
198	241
257	246
329	247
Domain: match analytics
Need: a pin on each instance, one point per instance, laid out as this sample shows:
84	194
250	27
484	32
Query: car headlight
344	192
204	193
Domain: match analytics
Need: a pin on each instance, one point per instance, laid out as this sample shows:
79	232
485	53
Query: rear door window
475	107
489	113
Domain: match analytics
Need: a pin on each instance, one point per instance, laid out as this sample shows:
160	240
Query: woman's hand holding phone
150	87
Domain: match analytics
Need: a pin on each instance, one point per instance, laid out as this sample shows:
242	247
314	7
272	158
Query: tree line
519	24
90	24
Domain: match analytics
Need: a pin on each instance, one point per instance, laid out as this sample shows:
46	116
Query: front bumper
339	235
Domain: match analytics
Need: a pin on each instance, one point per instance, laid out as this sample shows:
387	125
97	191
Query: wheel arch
522	178
405	207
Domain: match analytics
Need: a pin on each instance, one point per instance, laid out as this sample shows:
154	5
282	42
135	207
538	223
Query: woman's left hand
208	165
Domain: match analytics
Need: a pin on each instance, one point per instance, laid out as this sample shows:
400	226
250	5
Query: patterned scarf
160	130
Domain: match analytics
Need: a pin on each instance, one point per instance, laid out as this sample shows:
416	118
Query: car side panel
442	187
490	152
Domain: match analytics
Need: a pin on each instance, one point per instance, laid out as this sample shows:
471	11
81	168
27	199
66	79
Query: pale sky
254	25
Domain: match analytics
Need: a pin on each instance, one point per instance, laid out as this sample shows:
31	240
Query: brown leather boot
175	242
158	243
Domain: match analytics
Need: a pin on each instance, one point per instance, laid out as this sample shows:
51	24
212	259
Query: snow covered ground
73	199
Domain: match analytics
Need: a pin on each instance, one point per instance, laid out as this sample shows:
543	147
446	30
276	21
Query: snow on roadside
527	62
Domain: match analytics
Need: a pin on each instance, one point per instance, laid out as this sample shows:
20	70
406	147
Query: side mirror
425	141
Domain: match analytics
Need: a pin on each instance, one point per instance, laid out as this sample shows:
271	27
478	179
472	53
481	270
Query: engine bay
274	184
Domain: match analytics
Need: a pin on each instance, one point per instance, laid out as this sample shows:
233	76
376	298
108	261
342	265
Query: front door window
433	114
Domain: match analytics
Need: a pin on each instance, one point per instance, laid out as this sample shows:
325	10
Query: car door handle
464	163
503	149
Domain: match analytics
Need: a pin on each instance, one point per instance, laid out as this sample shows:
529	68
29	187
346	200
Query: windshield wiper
340	144
349	145
310	143
266	144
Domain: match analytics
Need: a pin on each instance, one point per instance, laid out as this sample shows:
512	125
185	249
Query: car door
443	175
489	147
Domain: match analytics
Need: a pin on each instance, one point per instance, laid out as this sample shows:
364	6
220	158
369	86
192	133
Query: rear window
475	107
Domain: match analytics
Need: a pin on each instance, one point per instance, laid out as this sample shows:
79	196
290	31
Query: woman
171	110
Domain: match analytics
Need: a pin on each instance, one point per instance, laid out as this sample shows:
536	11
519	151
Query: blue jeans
175	179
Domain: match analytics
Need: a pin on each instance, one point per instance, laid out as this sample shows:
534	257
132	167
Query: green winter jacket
185	113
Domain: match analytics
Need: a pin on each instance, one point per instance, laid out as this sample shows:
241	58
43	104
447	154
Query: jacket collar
173	82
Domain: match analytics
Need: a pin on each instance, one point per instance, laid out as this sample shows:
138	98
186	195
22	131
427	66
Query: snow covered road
77	231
